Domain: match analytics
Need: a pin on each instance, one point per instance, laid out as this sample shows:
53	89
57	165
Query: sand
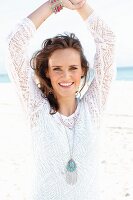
116	159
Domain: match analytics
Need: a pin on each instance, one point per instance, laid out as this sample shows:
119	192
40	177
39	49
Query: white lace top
49	139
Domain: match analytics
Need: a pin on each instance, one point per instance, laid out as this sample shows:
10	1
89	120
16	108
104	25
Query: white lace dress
49	139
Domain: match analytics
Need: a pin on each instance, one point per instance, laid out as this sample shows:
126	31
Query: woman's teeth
65	84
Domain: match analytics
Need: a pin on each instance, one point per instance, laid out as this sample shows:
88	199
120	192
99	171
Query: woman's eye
57	69
73	68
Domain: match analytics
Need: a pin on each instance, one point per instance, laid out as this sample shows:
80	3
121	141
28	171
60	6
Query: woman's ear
83	73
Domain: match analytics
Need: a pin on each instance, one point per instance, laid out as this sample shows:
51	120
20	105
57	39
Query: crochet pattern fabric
50	146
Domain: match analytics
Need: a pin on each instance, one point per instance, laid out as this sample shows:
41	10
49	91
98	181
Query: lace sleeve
19	69
104	69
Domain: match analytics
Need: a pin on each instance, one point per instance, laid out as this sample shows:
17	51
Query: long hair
39	63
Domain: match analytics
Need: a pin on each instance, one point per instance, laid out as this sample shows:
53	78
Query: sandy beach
116	159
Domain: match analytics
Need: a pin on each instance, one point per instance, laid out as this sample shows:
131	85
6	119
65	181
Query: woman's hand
73	4
82	7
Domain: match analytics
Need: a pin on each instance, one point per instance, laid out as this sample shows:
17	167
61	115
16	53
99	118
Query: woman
64	110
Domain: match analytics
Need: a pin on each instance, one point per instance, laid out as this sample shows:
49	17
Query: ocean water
123	73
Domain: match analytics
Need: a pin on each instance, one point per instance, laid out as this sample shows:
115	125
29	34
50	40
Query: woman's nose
66	74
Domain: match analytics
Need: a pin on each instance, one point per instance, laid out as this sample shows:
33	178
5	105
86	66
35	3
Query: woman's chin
66	95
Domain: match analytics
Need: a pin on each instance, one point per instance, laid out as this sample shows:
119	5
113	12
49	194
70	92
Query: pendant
71	172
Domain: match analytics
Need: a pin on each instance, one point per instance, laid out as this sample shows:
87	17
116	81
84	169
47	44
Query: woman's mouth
66	84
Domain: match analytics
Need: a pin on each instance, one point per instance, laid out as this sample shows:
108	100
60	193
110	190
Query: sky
118	14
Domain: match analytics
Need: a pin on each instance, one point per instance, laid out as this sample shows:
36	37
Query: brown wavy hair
39	63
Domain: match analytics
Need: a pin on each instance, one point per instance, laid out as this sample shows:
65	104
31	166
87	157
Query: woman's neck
67	106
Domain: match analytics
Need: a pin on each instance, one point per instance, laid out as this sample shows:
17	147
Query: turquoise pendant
71	172
71	166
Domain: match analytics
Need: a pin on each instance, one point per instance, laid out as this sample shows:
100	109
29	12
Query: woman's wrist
56	5
85	11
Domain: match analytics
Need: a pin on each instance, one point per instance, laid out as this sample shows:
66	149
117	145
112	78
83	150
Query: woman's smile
66	85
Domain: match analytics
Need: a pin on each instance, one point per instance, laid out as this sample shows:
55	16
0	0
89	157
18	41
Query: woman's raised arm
46	9
40	14
85	11
104	59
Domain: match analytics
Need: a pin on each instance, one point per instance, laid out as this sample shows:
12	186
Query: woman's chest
56	139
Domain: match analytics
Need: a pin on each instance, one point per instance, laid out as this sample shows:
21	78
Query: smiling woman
59	67
64	126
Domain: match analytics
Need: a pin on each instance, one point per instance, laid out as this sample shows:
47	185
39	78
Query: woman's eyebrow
62	66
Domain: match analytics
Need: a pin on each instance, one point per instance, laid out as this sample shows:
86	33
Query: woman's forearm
40	14
85	11
44	11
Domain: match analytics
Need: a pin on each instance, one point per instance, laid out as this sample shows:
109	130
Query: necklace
71	166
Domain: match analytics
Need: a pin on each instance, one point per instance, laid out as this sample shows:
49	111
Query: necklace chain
71	167
75	118
65	126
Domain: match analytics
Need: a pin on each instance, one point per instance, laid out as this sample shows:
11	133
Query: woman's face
65	72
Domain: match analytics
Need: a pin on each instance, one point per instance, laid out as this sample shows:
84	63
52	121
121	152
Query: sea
123	74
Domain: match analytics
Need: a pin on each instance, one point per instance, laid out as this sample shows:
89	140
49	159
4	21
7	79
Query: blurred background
117	137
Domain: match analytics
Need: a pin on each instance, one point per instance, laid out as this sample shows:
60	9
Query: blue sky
118	14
